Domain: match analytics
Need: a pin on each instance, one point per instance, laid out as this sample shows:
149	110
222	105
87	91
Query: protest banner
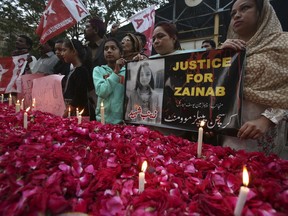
11	69
191	87
47	92
27	85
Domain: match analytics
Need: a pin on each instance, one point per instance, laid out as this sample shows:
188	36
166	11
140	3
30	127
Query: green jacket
109	88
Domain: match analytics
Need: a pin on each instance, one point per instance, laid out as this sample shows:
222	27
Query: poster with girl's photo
144	91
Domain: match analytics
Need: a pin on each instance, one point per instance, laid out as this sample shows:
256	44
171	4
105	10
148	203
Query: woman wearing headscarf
132	46
255	27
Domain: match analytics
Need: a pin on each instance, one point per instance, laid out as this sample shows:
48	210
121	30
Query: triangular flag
58	16
144	22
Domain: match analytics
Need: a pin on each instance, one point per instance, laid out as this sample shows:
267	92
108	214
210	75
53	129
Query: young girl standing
109	83
75	91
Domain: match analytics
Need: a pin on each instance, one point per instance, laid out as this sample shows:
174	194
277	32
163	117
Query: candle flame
245	176
102	104
80	113
22	100
144	166
202	123
69	108
10	95
18	101
27	109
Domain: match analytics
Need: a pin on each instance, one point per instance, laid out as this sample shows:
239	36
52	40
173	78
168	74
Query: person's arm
104	85
258	127
275	115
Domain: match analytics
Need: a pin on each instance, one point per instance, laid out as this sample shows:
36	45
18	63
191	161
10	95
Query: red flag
11	69
144	22
58	16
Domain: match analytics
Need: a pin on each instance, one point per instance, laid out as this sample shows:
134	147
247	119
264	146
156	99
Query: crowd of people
95	72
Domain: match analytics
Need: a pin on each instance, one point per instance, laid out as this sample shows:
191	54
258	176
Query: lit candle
10	100
2	98
33	104
102	112
142	177
77	112
244	190
200	139
25	120
17	106
69	112
80	117
22	104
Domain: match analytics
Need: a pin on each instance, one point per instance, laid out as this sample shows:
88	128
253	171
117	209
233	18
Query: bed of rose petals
57	166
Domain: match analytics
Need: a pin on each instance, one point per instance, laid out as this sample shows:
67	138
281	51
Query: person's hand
119	64
255	128
235	44
114	29
209	134
139	57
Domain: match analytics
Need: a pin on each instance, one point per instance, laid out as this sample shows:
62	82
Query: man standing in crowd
23	45
61	66
208	44
47	60
94	33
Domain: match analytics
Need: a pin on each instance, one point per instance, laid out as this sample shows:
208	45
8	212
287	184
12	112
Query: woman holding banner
166	42
165	39
255	26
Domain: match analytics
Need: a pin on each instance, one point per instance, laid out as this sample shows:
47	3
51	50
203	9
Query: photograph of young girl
144	91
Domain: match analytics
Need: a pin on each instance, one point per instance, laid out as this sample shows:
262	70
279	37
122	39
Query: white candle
77	112
33	104
142	177
80	117
102	112
69	112
10	100
17	106
22	104
2	98
25	120
200	139
244	190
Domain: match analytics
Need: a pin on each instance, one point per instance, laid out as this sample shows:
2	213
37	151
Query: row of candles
79	114
19	107
244	190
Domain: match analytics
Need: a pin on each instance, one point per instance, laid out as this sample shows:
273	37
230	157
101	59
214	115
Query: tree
23	16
